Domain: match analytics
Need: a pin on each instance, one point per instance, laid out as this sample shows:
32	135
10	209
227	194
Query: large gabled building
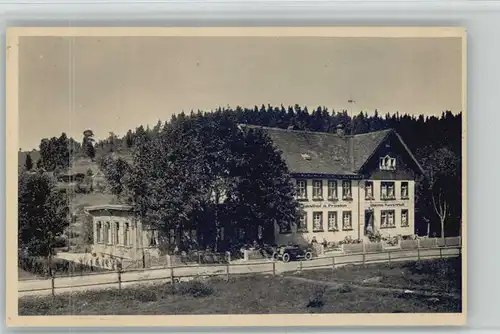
348	185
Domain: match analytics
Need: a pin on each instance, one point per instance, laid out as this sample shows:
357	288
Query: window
346	220
317	189
107	233
317	221
387	219
332	221
117	233
404	190
125	234
346	190
301	189
387	163
387	190
368	190
98	232
110	236
302	224
404	218
152	238
332	189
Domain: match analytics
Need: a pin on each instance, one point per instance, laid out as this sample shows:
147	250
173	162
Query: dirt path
337	285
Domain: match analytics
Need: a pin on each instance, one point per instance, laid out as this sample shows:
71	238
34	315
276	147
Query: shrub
317	300
145	295
196	289
345	288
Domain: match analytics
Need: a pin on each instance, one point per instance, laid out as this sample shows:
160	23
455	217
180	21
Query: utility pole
351	102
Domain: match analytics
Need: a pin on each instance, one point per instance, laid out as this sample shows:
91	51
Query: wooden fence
174	275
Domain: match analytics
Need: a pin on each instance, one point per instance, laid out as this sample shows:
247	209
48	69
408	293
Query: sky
118	83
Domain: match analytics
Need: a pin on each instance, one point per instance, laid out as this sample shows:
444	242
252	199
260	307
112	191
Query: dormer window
387	163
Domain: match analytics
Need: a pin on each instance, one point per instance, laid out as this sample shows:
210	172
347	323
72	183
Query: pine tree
28	164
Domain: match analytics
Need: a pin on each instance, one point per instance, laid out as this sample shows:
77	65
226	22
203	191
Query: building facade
118	234
348	186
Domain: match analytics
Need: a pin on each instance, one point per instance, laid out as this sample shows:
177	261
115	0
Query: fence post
227	271
300	265
274	268
364	260
52	278
119	279
440	253
172	275
389	257
418	254
333	263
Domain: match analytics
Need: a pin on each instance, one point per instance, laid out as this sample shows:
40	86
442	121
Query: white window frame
405	185
317	189
301	190
385	186
387	163
369	194
387	219
332	189
109	237
333	221
404	213
317	221
126	234
117	233
346	191
348	215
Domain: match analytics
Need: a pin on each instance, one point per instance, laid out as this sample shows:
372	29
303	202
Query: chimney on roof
340	130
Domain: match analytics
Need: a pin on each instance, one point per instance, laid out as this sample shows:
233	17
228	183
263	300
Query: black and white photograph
269	176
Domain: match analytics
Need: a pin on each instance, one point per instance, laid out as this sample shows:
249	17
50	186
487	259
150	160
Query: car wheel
286	257
275	256
308	256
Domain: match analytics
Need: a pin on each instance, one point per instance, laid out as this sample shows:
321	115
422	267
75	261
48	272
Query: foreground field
257	295
440	276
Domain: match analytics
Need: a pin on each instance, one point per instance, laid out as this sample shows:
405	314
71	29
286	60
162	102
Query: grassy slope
242	295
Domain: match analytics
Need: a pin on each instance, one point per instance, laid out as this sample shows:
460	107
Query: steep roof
324	153
365	145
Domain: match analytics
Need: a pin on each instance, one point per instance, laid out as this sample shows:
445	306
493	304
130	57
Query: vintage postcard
236	176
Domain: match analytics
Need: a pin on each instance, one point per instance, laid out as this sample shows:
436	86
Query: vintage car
292	252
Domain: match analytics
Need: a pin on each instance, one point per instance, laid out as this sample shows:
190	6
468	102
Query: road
107	280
